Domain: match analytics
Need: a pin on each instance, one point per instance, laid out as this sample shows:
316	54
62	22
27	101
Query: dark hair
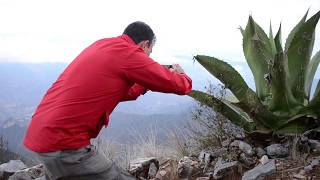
140	31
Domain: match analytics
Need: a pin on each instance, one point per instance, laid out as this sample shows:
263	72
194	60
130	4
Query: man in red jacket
79	103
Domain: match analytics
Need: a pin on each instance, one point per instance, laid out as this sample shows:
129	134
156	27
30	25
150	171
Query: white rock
264	159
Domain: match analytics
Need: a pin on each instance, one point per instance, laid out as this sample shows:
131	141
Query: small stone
247	160
314	163
152	170
219	152
302	172
141	166
162	173
243	146
187	166
167	170
29	173
304	139
20	176
203	178
221	169
277	151
312	134
41	178
205	157
264	159
225	143
260	152
315	145
299	176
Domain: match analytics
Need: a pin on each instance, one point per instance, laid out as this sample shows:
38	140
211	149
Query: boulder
277	151
35	172
9	168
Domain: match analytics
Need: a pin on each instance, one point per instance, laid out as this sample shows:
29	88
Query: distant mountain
22	87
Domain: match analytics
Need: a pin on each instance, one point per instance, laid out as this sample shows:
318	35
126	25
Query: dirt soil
293	169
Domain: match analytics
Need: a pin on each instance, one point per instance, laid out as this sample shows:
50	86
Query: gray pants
82	164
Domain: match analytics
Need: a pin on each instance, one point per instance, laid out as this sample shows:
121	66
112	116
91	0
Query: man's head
142	35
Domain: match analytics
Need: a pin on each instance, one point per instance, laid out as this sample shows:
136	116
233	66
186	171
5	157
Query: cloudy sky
57	30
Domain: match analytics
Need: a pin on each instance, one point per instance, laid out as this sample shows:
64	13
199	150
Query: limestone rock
243	146
260	171
315	145
221	169
260	152
187	166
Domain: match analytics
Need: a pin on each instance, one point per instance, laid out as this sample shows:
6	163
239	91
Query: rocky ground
236	159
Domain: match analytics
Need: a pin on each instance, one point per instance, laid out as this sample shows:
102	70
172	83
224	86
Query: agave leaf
271	40
294	30
235	115
232	80
277	41
297	126
311	71
241	30
299	53
282	98
258	53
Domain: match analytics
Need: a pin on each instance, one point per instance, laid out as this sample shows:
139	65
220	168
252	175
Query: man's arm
134	92
144	71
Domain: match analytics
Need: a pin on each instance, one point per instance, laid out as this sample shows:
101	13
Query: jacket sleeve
134	92
143	70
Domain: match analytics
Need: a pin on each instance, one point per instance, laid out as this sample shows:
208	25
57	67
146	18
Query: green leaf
299	53
241	30
294	30
258	52
298	126
282	98
234	114
311	71
232	80
273	45
277	41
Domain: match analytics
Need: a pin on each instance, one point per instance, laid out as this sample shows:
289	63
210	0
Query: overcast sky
58	30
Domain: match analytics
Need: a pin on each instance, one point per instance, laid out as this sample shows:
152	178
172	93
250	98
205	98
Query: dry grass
144	145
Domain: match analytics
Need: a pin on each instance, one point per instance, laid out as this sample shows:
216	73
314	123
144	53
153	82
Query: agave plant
282	102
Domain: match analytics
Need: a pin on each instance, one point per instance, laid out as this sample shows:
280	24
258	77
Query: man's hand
177	68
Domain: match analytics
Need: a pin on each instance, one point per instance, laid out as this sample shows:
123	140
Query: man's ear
144	44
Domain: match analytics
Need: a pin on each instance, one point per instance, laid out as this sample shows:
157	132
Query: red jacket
79	103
